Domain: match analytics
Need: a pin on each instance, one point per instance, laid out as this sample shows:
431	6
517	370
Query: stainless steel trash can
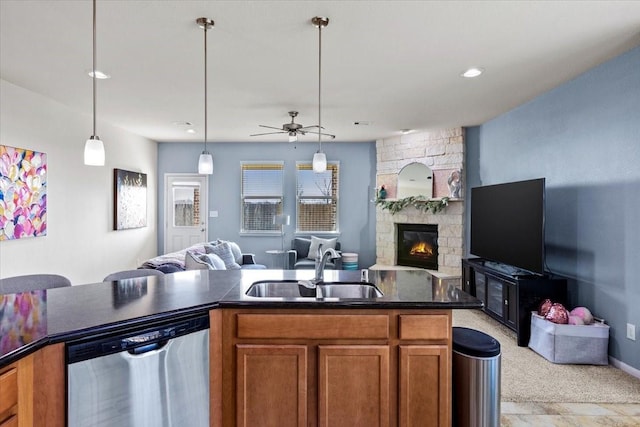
476	379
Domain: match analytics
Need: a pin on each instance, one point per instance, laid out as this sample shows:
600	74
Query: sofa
303	253
176	261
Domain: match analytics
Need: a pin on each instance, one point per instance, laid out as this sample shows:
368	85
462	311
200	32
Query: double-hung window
317	198
261	195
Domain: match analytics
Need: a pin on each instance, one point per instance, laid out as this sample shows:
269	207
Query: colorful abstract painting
23	193
130	208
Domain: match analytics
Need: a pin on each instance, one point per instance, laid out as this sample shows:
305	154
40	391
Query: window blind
317	198
262	195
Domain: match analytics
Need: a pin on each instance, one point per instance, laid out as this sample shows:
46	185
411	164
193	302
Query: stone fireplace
443	151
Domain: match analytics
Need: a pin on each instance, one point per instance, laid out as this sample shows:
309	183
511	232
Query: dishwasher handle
147	348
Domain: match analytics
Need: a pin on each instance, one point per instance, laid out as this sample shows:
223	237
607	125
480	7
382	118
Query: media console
510	299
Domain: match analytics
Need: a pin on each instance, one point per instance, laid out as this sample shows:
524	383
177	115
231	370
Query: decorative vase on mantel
382	193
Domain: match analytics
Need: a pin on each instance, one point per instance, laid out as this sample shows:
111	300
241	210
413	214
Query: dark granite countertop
32	319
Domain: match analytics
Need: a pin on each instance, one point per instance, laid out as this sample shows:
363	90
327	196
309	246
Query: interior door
185	211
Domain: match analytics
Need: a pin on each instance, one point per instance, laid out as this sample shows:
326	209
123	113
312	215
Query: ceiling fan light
94	151
205	163
293	137
319	162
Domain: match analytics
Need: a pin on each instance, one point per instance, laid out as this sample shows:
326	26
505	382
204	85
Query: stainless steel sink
279	289
349	290
299	289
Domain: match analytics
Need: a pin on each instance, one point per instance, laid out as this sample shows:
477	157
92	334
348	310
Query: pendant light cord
205	86
94	68
319	85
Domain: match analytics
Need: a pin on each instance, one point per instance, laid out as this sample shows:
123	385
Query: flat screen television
507	224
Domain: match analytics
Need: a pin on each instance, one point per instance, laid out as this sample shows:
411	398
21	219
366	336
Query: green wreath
419	202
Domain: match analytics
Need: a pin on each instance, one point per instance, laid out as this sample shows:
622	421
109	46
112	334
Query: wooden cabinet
423	394
357	367
510	299
353	387
16	393
33	388
272	385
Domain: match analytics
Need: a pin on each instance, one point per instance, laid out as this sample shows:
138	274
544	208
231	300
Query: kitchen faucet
321	261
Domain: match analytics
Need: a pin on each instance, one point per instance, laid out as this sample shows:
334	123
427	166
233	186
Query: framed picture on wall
130	199
23	193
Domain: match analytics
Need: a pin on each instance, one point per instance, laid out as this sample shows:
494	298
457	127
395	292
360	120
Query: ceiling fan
293	129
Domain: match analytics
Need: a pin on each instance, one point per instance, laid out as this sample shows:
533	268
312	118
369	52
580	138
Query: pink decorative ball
584	314
544	307
575	320
558	314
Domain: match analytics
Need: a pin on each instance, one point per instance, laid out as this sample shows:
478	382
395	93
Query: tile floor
570	414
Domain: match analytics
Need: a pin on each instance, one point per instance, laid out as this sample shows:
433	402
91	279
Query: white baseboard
624	367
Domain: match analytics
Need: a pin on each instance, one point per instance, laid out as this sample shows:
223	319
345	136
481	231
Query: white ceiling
396	64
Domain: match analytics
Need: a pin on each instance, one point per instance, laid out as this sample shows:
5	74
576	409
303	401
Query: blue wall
584	137
357	181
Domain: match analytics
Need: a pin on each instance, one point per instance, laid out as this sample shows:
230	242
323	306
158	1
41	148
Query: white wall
80	242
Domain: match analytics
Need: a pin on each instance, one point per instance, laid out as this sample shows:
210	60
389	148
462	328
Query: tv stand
508	296
509	270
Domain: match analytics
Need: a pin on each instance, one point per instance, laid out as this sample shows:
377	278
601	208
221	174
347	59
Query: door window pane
186	204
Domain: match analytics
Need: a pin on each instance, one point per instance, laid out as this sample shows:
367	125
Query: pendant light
93	147
205	161
319	158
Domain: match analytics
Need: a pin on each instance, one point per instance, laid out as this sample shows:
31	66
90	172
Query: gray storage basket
570	344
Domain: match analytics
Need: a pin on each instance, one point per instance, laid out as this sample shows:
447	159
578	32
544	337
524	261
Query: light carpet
529	377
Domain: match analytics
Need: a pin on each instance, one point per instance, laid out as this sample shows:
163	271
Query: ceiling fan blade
268	133
321	133
271	127
307	127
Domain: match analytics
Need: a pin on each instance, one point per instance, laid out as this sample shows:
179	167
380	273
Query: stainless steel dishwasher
152	377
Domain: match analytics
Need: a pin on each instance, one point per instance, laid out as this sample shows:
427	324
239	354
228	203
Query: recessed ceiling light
473	72
362	123
99	74
406	131
191	131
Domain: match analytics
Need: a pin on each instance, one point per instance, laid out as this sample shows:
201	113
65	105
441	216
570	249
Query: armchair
300	257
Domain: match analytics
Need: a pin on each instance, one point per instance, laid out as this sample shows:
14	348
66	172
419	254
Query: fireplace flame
421	248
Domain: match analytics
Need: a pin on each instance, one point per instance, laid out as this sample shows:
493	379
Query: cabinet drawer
8	389
313	326
425	327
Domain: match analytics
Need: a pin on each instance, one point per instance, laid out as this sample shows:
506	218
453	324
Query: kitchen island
397	342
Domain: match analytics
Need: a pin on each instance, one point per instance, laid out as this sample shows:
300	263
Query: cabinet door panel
481	287
495	301
271	385
425	378
353	387
8	389
511	305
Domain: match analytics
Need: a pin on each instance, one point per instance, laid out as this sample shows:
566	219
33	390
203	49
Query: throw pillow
195	261
326	244
223	250
237	253
216	261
